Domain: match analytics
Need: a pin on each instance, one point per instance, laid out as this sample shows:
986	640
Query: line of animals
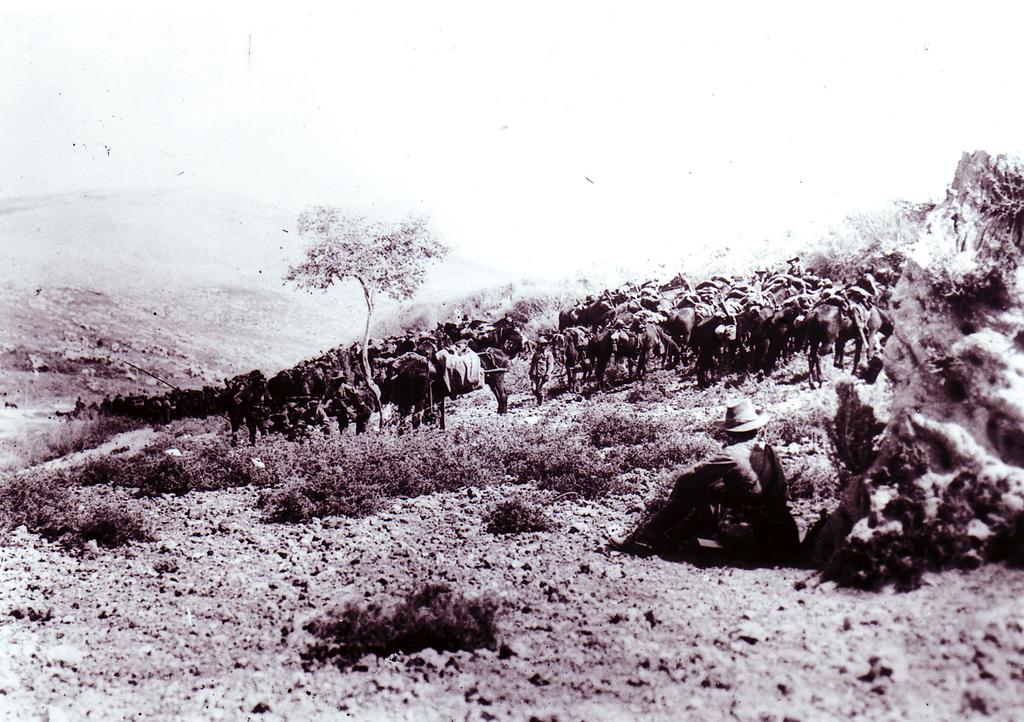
720	325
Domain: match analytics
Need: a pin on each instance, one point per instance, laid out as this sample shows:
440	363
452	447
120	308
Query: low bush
39	500
648	392
354	476
110	526
877	242
669	450
218	466
162	475
45	505
559	462
206	467
291	504
516	516
434	616
807	424
615	427
111	470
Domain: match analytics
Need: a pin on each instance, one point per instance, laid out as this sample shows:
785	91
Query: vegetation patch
516	516
53	441
672	448
354	476
110	526
855	432
615	427
560	462
43	503
434	616
965	524
205	467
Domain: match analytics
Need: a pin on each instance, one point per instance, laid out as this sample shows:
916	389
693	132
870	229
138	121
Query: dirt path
127	442
207	624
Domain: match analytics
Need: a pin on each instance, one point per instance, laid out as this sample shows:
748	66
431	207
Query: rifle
167	383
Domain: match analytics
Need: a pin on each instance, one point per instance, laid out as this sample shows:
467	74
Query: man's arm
703	476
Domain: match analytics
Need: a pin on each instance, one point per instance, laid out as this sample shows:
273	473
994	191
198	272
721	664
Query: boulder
947	486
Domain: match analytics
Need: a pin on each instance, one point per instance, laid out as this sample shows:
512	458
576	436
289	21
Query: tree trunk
367	375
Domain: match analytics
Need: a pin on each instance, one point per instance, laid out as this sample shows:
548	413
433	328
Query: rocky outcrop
947	486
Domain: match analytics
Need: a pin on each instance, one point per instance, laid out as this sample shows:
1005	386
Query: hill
184	283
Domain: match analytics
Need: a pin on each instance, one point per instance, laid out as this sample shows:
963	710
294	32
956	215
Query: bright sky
541	137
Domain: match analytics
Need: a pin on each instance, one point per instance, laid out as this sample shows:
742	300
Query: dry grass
52	441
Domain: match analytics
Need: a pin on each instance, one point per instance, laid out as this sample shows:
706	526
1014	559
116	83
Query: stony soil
206	621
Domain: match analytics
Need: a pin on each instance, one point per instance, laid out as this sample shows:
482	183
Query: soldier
316	418
541	366
740	495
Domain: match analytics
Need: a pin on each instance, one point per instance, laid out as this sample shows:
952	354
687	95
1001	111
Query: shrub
38	500
647	392
1004	203
615	427
434	616
875	242
290	505
670	449
799	425
208	467
100	470
110	526
44	504
353	476
559	462
218	466
166	475
854	432
516	516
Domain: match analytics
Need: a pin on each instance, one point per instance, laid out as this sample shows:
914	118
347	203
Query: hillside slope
184	283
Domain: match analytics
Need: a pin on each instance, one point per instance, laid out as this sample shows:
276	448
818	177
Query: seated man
738	498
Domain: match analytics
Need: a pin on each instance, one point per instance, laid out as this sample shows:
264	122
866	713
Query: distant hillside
184	283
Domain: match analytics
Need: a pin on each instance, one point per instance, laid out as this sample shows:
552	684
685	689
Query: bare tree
383	258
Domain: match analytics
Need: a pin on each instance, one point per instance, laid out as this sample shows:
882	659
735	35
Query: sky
546	138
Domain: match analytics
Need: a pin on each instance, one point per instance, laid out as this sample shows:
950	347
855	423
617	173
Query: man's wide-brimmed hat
741	416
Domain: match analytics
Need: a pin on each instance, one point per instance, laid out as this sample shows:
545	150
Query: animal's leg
442	424
498	388
858	348
250	422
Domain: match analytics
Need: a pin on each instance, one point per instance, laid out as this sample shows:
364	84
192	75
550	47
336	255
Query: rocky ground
206	622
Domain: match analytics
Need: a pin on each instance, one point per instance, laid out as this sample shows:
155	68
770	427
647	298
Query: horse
826	325
707	340
415	383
